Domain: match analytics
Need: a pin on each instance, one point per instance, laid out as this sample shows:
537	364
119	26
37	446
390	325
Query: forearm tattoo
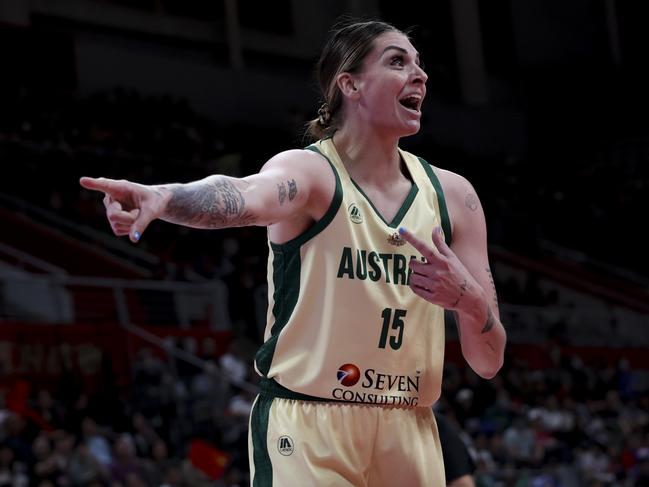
281	189
493	286
211	203
491	321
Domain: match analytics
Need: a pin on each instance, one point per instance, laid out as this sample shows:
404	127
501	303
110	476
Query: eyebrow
400	49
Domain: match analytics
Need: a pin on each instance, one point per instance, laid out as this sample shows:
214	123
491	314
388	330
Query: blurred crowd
572	424
161	138
569	425
176	424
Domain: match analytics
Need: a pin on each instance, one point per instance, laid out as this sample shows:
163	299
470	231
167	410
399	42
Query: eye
397	60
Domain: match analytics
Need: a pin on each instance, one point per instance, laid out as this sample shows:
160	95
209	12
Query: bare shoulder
308	165
459	192
301	159
462	200
308	171
453	184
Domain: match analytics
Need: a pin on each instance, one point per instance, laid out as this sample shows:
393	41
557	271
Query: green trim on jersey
286	280
286	274
321	224
443	210
407	203
320	317
271	388
263	476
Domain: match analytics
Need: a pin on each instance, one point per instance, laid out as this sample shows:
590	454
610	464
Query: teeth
411	102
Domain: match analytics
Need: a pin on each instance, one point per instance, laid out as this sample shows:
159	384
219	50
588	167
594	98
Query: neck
368	156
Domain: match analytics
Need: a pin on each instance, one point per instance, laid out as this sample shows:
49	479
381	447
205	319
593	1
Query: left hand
442	279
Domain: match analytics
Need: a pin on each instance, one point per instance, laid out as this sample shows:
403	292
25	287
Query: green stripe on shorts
259	424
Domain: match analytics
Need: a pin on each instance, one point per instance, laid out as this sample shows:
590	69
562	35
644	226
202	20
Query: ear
348	85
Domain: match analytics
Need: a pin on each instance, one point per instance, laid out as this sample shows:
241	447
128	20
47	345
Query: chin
411	129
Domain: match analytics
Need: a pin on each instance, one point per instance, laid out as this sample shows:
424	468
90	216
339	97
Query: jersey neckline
405	205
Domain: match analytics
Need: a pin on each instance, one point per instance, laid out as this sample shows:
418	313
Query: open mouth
411	102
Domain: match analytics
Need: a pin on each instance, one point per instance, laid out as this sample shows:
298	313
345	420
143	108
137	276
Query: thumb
140	224
440	242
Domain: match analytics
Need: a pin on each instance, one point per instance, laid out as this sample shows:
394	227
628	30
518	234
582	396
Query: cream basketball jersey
343	324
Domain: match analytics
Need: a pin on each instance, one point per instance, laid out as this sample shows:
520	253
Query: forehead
396	39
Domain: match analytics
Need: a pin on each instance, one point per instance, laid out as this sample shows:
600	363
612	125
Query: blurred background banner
133	363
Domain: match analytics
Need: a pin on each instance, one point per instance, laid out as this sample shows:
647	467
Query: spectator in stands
44	465
13	473
458	463
83	468
520	441
126	466
98	446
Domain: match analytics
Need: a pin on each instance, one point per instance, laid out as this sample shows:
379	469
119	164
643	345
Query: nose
419	75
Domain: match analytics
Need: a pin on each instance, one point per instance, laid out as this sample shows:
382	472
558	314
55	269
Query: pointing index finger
423	249
98	184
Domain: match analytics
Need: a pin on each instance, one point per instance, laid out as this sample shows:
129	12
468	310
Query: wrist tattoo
292	189
281	189
214	203
493	286
463	287
491	321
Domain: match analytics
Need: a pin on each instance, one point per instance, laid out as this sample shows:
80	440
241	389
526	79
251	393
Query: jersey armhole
441	200
321	224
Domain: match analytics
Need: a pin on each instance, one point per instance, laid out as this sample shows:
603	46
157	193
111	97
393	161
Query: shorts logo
355	213
348	374
285	445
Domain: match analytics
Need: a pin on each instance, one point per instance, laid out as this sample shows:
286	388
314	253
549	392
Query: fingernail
136	236
438	229
402	230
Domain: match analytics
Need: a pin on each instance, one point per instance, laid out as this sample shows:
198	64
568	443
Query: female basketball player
368	245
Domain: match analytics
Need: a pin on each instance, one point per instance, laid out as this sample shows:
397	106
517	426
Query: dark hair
350	40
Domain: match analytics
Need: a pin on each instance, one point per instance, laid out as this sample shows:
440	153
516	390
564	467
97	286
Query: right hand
130	207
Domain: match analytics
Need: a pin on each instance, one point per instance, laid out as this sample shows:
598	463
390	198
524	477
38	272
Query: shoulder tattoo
471	201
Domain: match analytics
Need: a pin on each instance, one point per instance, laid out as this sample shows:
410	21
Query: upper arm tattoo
471	201
281	190
211	203
292	189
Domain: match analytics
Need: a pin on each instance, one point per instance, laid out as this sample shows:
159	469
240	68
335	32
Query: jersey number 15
392	319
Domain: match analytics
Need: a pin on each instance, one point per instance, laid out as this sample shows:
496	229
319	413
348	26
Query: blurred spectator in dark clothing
83	468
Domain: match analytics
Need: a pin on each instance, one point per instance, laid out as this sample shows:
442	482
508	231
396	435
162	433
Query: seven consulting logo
348	374
355	213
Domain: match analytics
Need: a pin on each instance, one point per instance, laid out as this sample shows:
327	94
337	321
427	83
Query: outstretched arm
459	278
279	191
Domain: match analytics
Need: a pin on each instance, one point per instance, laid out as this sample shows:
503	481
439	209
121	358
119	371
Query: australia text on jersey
376	266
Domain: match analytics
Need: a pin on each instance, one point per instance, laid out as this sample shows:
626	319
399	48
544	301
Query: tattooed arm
482	335
282	190
458	277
